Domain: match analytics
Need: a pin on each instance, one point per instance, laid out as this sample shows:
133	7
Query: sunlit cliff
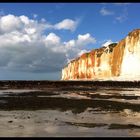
117	61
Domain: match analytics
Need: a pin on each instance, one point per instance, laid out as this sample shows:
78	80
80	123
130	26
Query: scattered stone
46	121
37	122
21	126
10	121
128	111
66	113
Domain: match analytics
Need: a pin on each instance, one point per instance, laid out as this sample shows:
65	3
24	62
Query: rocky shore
69	108
65	84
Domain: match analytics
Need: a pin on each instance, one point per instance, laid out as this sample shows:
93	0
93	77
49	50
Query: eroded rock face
116	61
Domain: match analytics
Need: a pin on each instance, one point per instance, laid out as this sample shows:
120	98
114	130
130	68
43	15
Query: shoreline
42	84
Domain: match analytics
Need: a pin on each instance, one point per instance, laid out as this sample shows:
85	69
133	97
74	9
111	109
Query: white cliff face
130	68
114	62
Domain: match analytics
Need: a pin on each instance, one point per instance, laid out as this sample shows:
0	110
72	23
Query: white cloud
123	17
24	46
53	38
85	39
9	23
74	48
25	19
82	40
106	12
66	24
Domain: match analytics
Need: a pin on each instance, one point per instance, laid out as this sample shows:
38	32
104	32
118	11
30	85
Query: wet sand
62	111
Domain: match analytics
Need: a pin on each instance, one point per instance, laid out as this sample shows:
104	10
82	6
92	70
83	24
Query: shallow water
70	112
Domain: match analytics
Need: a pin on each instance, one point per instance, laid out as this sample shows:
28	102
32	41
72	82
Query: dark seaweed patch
123	126
63	104
90	125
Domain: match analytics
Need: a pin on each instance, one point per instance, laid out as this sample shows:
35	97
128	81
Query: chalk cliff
117	61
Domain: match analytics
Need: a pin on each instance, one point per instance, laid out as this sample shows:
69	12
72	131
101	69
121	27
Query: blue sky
38	39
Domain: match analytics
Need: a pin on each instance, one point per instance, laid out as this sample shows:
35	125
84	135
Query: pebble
10	121
21	126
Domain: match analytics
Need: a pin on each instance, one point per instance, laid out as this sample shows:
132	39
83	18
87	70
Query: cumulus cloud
52	39
24	46
12	22
106	12
81	41
66	24
85	39
75	48
9	23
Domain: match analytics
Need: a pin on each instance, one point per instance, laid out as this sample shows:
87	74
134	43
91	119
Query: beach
69	111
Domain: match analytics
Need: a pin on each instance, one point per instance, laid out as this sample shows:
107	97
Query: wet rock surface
67	111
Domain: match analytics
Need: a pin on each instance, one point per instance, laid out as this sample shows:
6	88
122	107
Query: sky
38	39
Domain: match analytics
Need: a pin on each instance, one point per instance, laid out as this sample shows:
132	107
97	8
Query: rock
128	111
21	126
117	61
10	121
66	113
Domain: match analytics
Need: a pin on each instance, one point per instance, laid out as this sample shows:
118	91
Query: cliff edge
117	61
